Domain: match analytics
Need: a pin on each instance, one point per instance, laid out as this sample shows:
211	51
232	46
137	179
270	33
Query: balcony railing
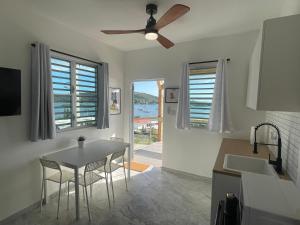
146	130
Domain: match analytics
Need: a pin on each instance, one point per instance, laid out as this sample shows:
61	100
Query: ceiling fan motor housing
151	9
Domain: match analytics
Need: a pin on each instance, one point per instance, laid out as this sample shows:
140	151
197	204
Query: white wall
195	151
290	7
19	166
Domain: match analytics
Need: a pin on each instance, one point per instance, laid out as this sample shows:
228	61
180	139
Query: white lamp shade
151	36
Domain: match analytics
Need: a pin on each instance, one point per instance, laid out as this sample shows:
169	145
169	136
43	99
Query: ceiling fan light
151	36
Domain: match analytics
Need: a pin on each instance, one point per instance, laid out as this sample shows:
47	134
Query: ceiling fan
152	27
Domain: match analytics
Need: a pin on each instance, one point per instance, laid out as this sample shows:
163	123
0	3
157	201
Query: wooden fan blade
171	15
164	41
123	31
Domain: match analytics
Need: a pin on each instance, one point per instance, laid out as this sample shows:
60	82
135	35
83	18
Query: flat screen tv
10	92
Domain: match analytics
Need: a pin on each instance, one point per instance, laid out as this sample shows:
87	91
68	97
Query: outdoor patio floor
148	154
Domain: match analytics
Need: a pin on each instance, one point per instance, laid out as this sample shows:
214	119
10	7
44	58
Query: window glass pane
86	95
86	104
201	89
202	81
87	68
61	78
85	83
87	89
61	86
60	74
85	73
85	78
60	62
60	68
202	76
61	92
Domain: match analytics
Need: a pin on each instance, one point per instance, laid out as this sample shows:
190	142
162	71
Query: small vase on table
80	141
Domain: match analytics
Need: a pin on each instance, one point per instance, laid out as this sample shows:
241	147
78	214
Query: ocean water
151	110
145	110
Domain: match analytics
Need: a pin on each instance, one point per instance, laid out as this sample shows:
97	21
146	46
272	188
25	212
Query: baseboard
179	172
9	219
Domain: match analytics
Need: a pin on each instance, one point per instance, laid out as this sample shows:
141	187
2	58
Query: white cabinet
274	70
221	185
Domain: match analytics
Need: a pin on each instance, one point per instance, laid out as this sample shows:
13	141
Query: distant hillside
143	98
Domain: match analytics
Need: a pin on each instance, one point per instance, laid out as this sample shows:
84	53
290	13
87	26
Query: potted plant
81	140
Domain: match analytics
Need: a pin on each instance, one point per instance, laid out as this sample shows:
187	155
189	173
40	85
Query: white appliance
268	200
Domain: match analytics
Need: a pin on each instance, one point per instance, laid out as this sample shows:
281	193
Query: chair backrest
49	164
95	165
117	139
118	154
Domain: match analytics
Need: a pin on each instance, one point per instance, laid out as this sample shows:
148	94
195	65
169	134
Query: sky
148	87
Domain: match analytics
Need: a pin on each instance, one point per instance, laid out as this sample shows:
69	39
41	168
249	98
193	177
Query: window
75	92
201	89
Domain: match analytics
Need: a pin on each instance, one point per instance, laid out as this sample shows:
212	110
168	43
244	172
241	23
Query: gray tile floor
154	197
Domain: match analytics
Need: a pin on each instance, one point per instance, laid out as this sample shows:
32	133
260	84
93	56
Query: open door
147	101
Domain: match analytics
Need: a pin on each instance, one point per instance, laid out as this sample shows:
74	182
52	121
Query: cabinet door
253	77
280	65
274	70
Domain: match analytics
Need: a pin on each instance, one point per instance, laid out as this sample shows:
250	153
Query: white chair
112	166
60	177
90	177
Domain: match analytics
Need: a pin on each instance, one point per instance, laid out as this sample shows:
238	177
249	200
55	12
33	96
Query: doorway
147	122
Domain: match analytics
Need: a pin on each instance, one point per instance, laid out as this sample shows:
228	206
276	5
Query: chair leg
41	203
112	186
83	193
125	176
68	193
58	200
106	181
87	202
91	190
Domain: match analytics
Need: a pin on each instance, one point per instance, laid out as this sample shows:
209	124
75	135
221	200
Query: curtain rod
33	45
208	61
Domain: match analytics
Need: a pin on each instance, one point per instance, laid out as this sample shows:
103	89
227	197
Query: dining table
75	158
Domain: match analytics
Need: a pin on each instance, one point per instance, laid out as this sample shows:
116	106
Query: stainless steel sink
248	164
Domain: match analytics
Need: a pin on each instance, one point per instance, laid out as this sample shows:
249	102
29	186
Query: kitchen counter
267	199
243	148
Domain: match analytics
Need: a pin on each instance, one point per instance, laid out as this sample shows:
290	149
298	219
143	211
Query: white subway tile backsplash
289	126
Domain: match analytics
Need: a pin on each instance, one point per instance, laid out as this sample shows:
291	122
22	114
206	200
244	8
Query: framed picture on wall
114	101
171	95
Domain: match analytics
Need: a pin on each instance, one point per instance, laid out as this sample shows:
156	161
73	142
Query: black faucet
278	162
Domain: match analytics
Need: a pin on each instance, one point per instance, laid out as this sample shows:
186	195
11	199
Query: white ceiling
207	18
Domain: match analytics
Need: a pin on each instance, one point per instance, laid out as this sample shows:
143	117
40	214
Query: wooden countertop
243	148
